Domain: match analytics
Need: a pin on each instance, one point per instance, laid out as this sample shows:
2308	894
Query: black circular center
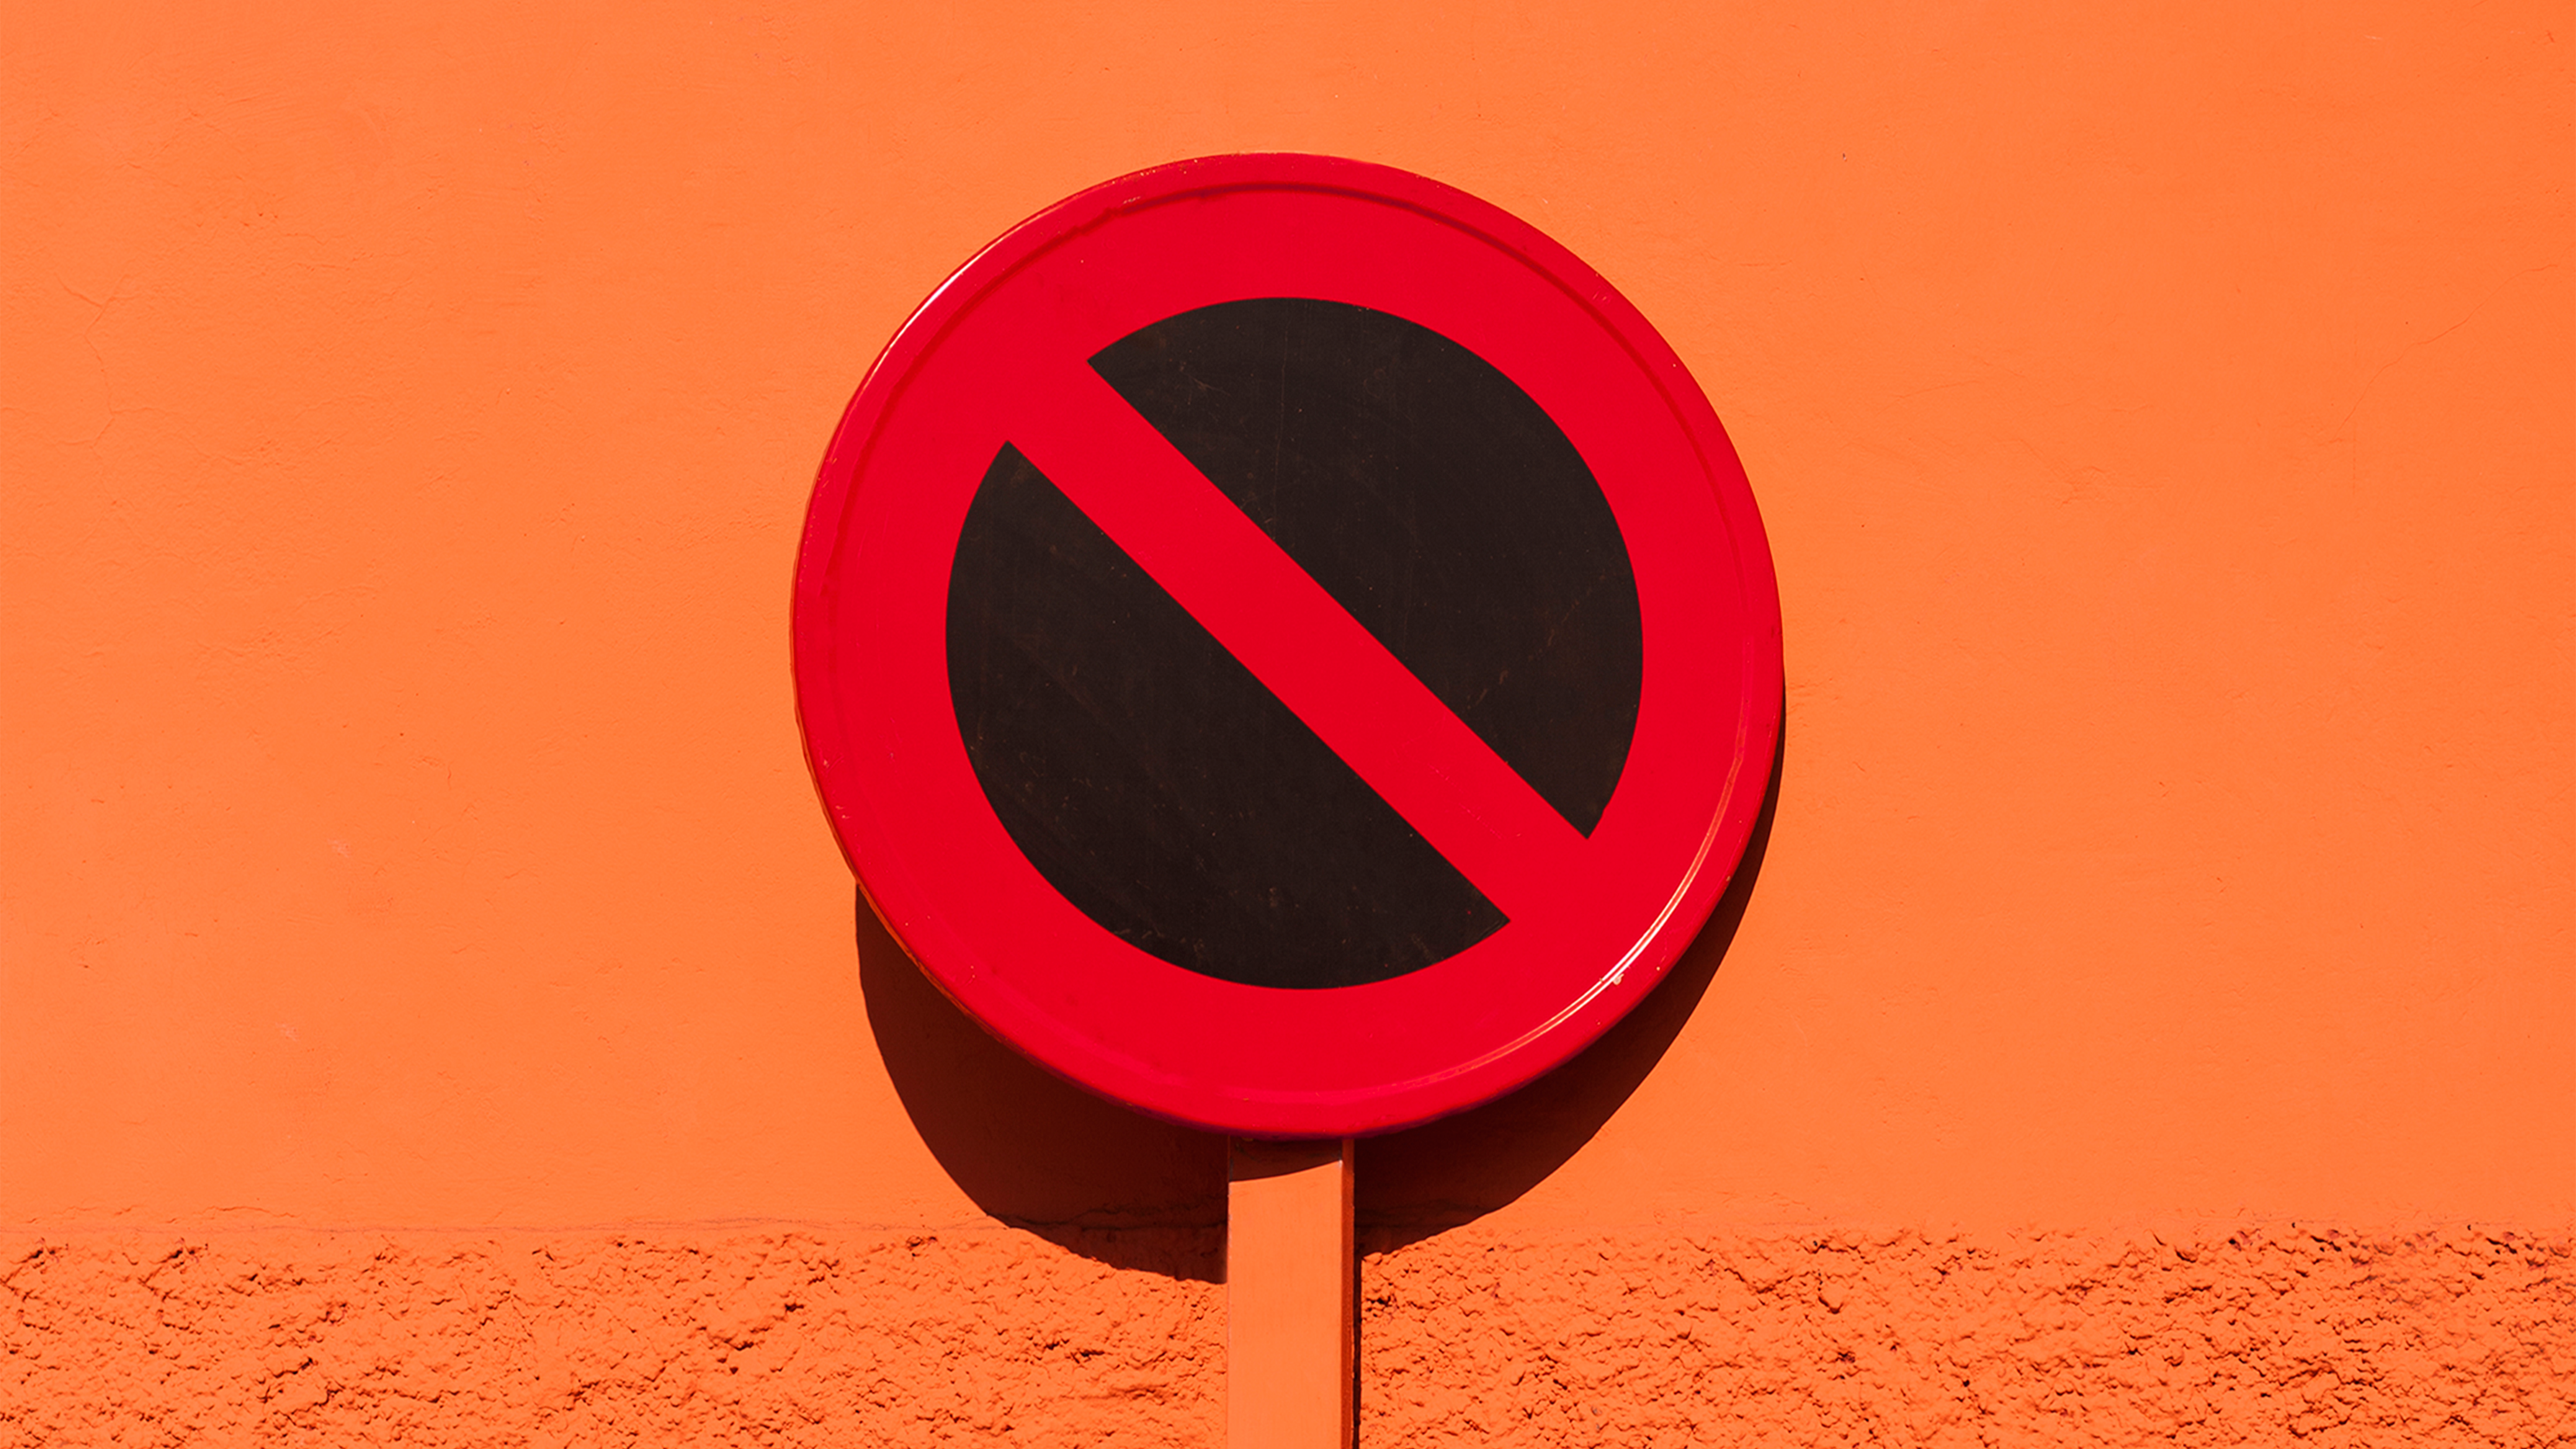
1165	791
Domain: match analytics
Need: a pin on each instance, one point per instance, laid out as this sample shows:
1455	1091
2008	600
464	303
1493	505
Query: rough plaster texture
747	1337
818	1336
2256	1337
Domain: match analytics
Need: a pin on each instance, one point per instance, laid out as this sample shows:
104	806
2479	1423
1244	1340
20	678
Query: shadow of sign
1043	1155
1034	1150
1421	1181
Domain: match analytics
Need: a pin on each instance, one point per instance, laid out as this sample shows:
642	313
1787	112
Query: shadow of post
1043	1155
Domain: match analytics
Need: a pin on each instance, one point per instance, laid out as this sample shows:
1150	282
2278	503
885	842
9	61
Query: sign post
1287	646
1291	1295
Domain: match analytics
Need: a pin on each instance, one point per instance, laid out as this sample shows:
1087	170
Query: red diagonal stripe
1371	710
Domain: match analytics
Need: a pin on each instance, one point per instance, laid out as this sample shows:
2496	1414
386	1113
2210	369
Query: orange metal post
1291	1295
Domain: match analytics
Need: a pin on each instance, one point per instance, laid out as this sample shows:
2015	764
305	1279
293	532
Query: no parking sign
1287	646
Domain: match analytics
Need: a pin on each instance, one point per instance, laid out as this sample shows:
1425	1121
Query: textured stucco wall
811	1337
2259	1336
744	1337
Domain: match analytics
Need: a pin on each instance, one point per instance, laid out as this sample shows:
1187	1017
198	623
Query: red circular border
936	866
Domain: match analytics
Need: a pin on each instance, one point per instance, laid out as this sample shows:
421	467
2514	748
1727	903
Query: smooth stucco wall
2163	421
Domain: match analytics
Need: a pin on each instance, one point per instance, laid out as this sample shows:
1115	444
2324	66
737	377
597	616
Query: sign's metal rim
837	712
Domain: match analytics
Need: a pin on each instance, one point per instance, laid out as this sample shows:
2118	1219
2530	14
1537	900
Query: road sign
1286	645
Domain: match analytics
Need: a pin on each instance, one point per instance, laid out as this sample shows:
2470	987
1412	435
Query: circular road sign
1286	646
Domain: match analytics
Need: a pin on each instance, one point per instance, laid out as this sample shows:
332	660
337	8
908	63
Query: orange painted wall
2165	419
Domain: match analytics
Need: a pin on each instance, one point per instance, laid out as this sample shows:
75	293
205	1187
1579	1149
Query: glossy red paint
998	355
